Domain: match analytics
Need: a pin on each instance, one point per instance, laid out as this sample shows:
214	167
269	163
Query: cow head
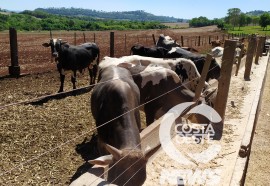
126	167
137	50
166	42
55	45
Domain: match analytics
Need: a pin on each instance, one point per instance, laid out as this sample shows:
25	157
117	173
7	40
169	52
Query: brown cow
114	104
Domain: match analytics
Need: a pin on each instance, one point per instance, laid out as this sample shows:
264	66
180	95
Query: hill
138	15
257	12
40	20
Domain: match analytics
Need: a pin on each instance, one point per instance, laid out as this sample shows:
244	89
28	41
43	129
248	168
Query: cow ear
103	160
116	153
46	44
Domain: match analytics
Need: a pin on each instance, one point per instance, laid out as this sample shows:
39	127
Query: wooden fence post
182	41
84	37
209	40
14	68
112	44
75	40
262	46
199	40
154	39
249	58
94	37
225	77
125	42
258	50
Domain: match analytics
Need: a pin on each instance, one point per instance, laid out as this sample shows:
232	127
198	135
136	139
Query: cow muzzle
55	54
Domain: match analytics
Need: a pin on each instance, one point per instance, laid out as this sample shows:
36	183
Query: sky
177	8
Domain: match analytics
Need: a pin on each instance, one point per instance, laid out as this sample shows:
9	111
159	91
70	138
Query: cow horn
114	151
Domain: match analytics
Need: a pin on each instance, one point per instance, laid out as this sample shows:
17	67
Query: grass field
251	30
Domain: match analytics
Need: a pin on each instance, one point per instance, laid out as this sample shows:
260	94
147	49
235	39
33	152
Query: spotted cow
74	58
184	68
162	83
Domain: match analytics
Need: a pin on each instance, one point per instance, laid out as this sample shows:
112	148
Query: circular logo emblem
165	135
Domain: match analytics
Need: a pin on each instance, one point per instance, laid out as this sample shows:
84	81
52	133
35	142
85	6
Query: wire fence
34	58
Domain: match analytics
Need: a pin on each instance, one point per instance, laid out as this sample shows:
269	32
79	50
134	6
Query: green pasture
251	30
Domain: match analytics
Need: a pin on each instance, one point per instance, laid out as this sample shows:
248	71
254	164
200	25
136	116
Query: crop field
49	143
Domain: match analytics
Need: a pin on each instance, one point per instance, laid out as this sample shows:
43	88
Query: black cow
198	59
74	58
114	104
178	52
158	52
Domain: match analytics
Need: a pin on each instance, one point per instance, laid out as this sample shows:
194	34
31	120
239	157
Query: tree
264	20
233	16
255	20
242	20
248	20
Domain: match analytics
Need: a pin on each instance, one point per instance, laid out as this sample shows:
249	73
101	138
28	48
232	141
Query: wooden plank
238	176
150	136
203	77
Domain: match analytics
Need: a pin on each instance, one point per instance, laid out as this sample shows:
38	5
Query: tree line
235	18
138	15
39	20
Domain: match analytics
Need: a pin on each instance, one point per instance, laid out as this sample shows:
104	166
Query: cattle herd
152	79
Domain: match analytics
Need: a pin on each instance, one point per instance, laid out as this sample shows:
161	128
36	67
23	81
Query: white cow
184	68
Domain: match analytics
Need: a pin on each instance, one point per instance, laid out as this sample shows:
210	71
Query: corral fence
24	53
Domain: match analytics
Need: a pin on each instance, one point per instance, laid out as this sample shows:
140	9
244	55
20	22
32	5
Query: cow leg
149	113
73	79
91	74
62	79
95	69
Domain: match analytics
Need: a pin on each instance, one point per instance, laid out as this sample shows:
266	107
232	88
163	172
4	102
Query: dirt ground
258	168
49	143
34	58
